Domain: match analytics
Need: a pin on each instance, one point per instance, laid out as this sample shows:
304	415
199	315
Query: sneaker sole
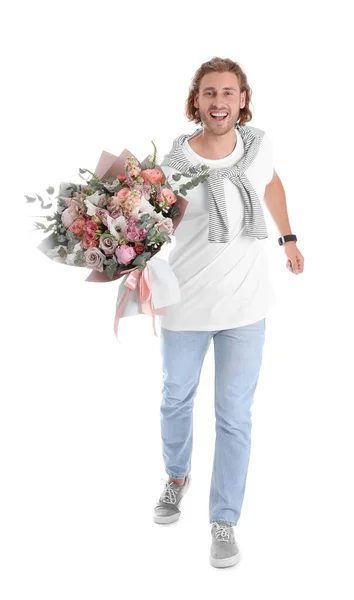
225	562
166	520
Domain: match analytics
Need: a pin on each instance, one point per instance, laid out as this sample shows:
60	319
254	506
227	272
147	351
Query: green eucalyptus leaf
111	267
165	237
79	259
138	260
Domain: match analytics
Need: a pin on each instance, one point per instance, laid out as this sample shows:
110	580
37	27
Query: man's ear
195	101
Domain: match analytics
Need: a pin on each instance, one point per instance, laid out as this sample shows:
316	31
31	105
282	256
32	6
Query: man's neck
214	147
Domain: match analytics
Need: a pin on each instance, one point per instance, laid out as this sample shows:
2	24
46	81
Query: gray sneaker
224	551
167	509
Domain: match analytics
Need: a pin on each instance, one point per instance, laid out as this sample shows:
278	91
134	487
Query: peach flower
153	176
170	196
77	226
122	193
89	240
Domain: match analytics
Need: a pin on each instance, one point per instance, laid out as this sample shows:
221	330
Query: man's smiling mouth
219	115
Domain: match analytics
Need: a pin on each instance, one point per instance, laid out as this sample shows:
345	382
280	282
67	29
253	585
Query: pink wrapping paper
109	164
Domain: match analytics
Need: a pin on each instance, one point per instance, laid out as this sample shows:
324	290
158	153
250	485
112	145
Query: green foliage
79	259
175	212
151	234
164	237
111	267
154	156
73	187
176	176
139	261
145	221
73	239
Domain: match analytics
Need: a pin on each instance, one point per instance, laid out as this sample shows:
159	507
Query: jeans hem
221	520
175	476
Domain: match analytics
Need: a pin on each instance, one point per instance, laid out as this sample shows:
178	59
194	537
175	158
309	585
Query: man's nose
218	100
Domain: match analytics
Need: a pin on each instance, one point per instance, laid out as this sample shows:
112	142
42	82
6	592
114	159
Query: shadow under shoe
167	510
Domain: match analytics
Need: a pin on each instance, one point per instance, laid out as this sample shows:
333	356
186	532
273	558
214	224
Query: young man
221	264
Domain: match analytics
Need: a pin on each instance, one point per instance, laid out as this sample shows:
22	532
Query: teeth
218	114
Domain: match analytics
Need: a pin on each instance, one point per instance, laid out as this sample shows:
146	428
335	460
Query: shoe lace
169	495
222	532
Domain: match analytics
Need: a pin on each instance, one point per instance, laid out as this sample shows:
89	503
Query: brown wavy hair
220	65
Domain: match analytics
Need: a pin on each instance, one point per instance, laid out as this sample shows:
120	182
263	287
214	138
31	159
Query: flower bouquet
114	224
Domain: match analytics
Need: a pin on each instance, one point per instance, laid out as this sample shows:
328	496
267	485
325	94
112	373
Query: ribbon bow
144	281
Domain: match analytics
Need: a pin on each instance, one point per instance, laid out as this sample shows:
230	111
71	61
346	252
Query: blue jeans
238	356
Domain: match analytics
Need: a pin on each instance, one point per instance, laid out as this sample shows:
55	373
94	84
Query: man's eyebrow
224	88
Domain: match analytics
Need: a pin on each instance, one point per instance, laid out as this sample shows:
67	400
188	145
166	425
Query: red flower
139	248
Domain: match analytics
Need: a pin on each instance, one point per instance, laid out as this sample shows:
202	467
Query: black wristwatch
291	237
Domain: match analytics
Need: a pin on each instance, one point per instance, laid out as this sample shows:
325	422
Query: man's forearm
275	200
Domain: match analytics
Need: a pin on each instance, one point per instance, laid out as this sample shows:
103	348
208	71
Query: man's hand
295	262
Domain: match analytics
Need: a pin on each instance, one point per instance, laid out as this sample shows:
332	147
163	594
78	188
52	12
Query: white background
81	455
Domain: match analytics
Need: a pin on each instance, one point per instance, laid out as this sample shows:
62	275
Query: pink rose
72	202
153	176
77	226
102	213
69	215
123	193
125	254
170	196
165	225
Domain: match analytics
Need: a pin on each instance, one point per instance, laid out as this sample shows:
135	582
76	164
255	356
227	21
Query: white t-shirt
223	285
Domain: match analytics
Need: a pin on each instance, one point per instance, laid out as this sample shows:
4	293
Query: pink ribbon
143	278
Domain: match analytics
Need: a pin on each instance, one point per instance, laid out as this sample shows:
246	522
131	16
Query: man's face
219	93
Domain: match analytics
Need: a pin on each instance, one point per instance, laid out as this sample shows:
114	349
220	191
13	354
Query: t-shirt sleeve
267	145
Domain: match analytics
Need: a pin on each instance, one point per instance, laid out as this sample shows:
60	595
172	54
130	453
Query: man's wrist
288	238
